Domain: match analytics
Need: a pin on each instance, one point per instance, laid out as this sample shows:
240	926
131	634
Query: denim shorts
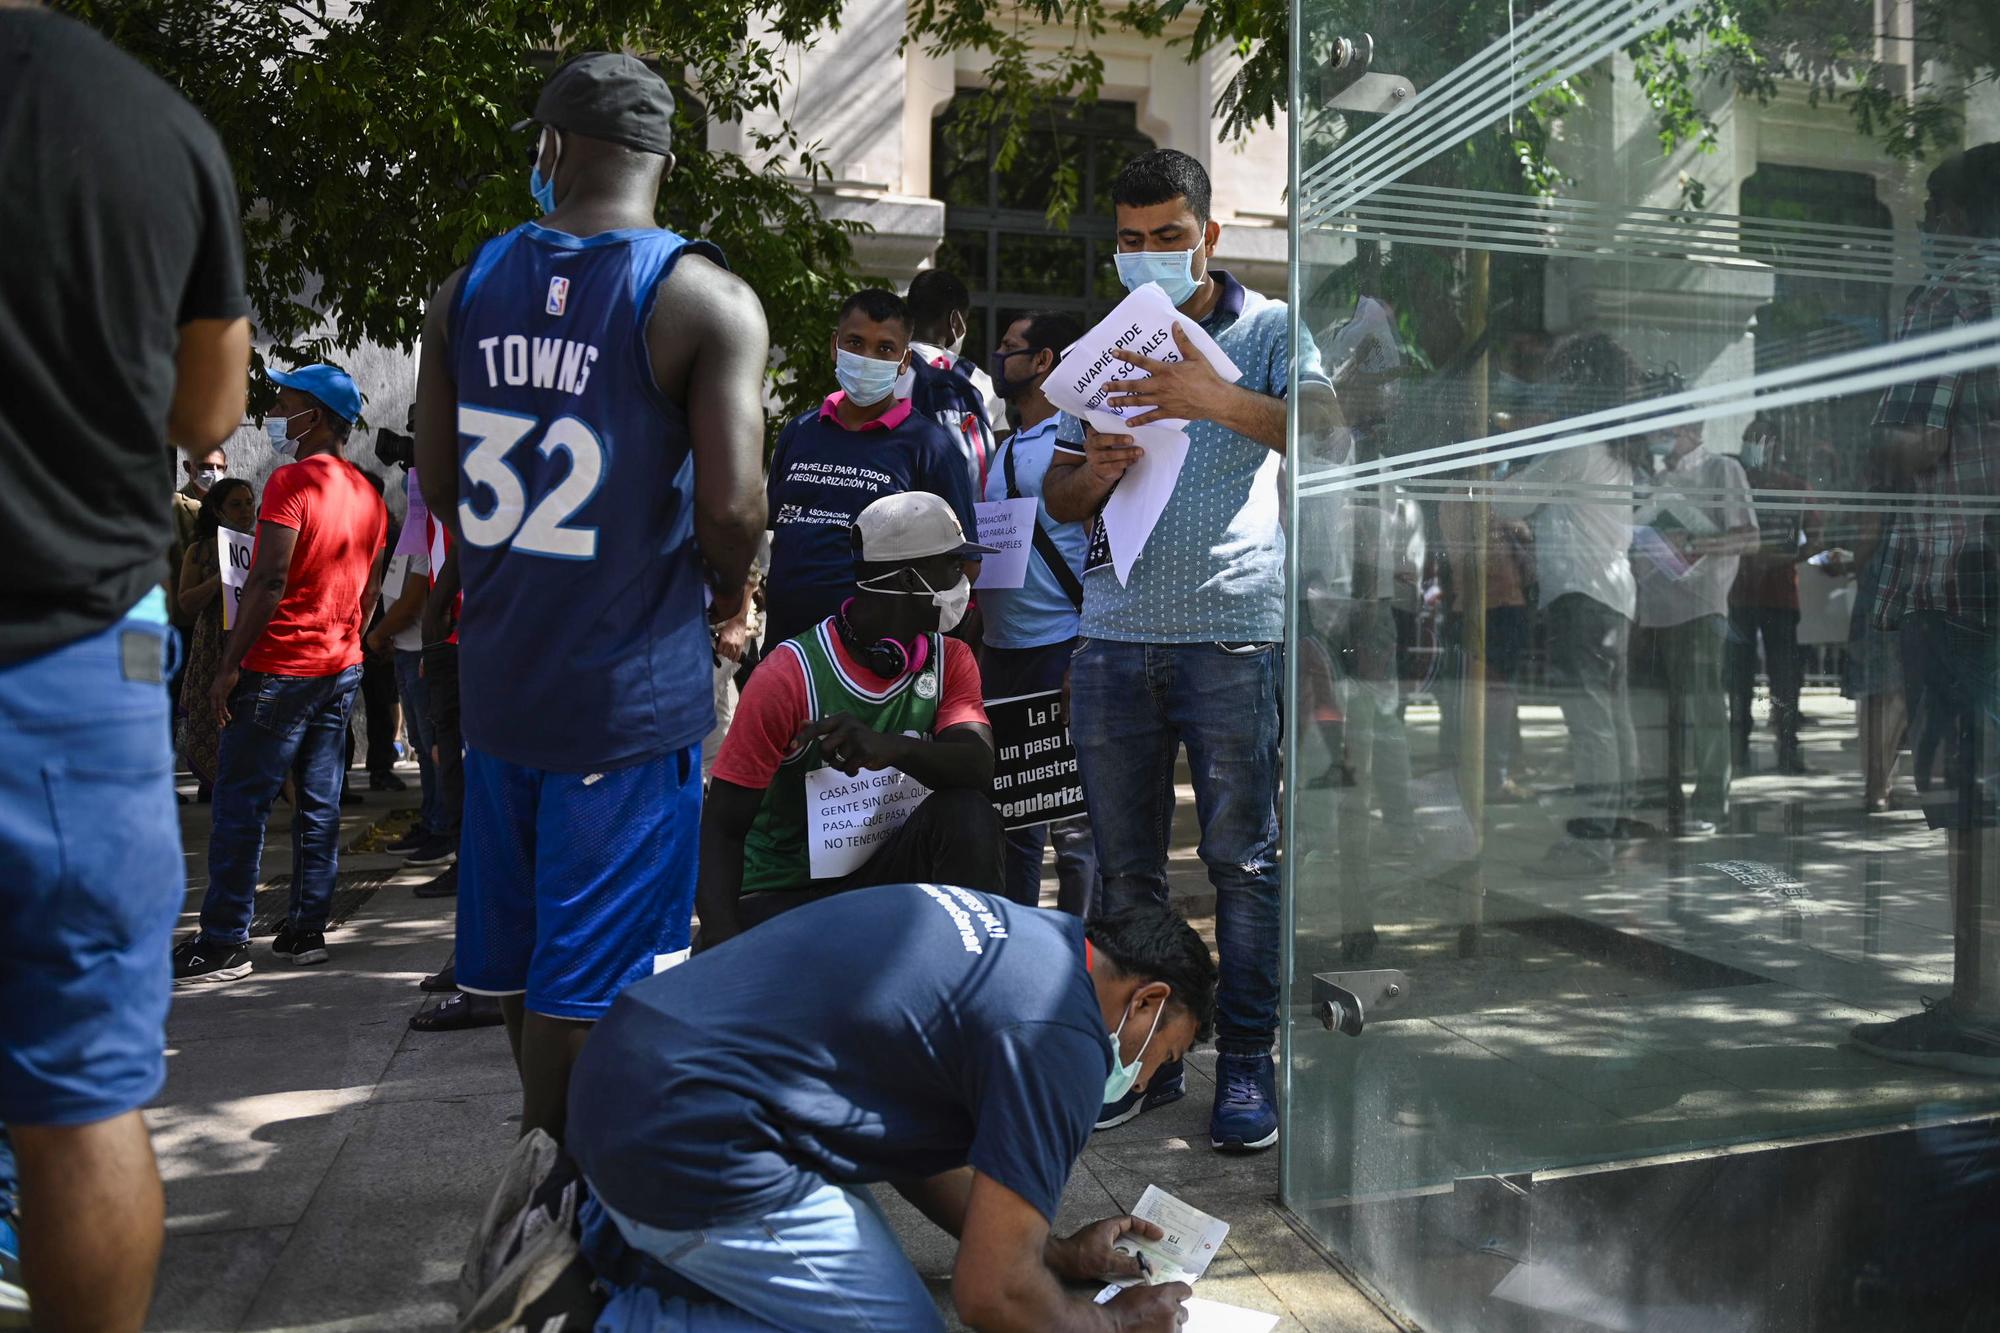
91	880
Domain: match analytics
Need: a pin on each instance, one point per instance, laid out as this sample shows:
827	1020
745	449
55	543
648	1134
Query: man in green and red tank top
876	686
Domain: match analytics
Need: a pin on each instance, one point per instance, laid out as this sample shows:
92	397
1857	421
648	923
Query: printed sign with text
232	550
1008	526
1035	777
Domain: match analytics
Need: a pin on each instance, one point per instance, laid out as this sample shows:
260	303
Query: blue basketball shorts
574	885
91	876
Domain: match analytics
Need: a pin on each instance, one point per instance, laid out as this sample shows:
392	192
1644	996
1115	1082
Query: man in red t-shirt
289	671
875	687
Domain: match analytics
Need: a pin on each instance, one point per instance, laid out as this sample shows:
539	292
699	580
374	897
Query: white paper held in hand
848	819
1133	510
1090	371
1191	1241
1008	527
1141	324
233	551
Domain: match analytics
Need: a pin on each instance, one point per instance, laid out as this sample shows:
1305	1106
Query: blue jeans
1006	673
1952	667
828	1263
279	725
1131	707
416	713
91	876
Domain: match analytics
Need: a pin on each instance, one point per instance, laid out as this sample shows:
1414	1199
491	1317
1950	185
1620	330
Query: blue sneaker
13	1295
1168	1085
1245	1118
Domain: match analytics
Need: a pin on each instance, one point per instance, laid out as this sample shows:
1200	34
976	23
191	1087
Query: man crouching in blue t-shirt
728	1113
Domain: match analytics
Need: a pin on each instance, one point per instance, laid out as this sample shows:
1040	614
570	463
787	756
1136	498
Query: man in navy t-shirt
859	445
728	1113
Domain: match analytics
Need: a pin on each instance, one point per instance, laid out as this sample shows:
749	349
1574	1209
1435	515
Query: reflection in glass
1644	700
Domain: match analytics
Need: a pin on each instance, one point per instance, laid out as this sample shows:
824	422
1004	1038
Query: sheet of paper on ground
1008	526
232	552
1035	777
848	819
1206	1316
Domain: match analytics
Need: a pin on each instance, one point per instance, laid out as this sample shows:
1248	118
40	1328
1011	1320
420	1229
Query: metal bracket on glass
1347	83
1345	1001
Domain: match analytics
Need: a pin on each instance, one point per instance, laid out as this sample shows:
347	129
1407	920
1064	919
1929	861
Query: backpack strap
1045	545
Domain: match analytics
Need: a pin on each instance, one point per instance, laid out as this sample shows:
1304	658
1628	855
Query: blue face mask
278	429
1122	1076
865	380
1172	269
540	186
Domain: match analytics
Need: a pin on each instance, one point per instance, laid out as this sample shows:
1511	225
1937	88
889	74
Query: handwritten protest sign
1008	526
1035	777
1090	372
848	819
232	552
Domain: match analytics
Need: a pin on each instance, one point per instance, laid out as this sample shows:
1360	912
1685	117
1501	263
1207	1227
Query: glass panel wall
1641	865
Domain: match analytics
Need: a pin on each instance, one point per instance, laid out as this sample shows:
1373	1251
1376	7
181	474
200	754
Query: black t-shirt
882	1034
118	224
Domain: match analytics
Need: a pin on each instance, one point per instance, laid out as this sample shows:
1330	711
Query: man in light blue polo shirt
1188	649
1031	630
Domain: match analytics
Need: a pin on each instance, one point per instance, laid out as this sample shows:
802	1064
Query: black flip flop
459	1013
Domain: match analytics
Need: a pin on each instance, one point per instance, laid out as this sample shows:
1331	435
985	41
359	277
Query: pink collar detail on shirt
897	414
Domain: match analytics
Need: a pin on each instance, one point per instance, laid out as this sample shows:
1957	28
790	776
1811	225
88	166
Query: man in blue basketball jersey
589	422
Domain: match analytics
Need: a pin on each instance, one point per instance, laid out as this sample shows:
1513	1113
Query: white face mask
1122	1076
951	602
208	476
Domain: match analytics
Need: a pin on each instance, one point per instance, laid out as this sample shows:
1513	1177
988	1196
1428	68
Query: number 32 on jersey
540	528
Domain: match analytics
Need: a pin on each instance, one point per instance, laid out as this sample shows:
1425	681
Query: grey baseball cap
915	525
610	96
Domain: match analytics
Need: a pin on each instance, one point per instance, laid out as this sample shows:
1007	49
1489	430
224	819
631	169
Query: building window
997	234
1827	441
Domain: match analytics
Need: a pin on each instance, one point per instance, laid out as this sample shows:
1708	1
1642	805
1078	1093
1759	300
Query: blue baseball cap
330	384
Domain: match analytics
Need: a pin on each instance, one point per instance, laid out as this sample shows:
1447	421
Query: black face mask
1005	387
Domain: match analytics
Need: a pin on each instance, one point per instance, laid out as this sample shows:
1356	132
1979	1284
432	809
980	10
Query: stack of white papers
1090	372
